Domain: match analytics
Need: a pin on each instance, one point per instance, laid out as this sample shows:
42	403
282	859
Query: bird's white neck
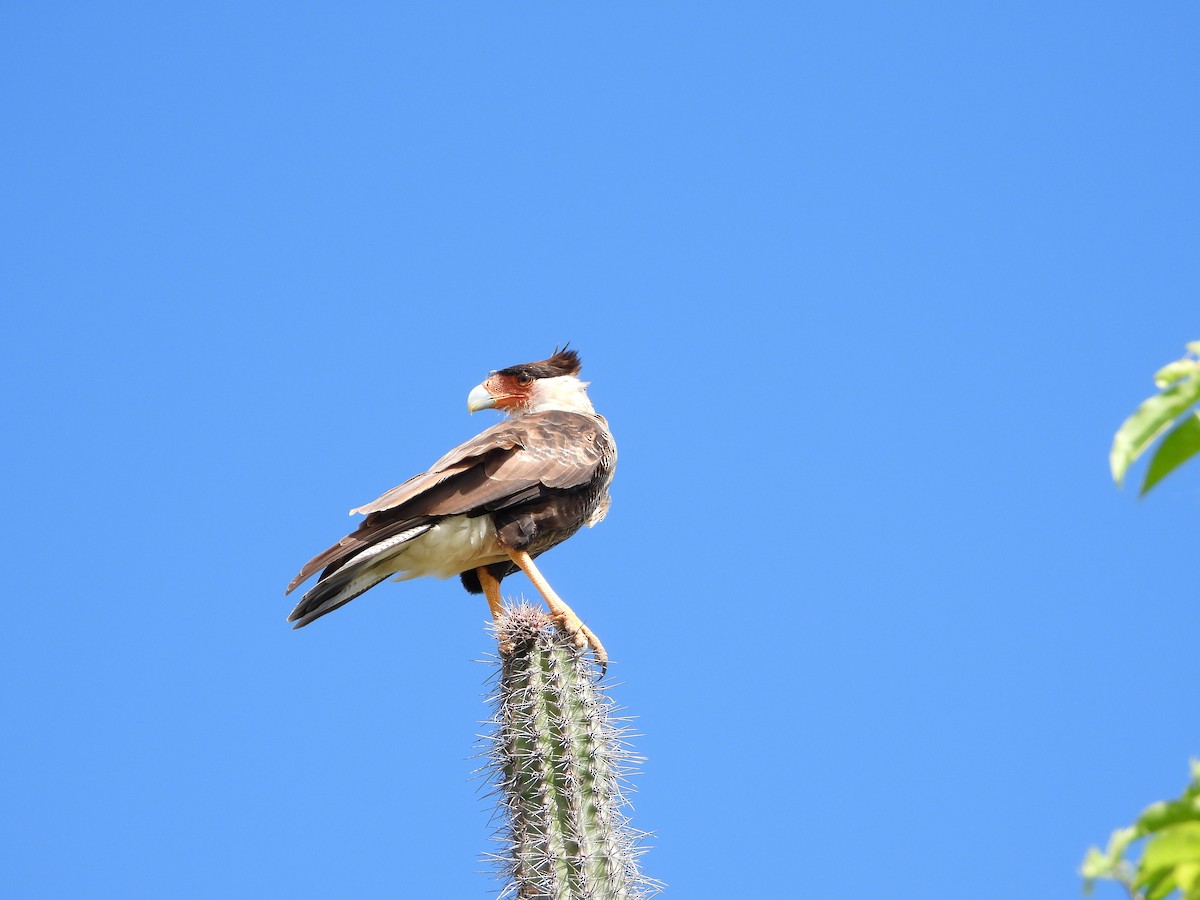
565	392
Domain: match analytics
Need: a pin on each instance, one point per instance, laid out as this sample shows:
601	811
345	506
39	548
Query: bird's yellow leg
562	614
491	590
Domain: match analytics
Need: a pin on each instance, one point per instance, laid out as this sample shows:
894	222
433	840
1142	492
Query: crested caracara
490	505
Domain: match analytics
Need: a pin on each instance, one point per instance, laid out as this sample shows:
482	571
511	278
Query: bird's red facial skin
508	391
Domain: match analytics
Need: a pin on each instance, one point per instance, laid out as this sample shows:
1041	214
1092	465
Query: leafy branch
1170	859
1169	866
1179	390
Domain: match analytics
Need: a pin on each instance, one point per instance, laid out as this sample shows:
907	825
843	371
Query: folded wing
514	462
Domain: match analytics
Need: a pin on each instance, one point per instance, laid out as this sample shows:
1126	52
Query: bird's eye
524	379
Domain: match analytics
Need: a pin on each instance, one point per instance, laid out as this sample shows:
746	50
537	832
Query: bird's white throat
566	392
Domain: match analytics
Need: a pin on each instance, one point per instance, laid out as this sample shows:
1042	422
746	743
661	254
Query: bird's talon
581	636
589	639
575	630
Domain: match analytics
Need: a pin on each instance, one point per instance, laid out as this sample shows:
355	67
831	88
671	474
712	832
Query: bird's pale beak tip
479	398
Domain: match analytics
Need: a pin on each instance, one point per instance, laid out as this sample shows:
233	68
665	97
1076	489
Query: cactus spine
557	760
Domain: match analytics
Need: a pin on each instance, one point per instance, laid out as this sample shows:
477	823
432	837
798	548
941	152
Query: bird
491	505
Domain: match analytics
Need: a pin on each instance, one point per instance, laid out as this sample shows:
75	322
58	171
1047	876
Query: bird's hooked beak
480	398
507	393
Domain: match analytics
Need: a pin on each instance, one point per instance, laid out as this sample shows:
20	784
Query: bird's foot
582	636
561	614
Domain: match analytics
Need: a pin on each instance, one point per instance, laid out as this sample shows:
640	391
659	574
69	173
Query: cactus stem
557	758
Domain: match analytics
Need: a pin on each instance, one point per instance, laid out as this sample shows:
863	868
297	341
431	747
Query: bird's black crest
561	362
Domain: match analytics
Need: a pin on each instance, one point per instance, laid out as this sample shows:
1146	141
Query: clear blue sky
864	290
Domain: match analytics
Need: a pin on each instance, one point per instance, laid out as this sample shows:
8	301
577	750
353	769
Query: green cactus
557	760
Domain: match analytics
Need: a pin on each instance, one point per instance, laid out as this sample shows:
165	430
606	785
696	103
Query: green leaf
1180	445
1120	841
1109	863
1174	371
1170	861
1148	421
1188	876
1097	865
1173	846
1170	857
1157	885
1165	814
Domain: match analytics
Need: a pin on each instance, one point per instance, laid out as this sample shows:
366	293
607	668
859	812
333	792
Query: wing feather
554	448
512	462
461	458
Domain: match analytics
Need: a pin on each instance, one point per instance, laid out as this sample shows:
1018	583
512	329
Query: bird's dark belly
536	526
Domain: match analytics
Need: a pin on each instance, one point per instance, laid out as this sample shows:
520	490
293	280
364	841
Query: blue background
864	290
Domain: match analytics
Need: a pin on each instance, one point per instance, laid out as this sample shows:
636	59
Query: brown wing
499	437
511	462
